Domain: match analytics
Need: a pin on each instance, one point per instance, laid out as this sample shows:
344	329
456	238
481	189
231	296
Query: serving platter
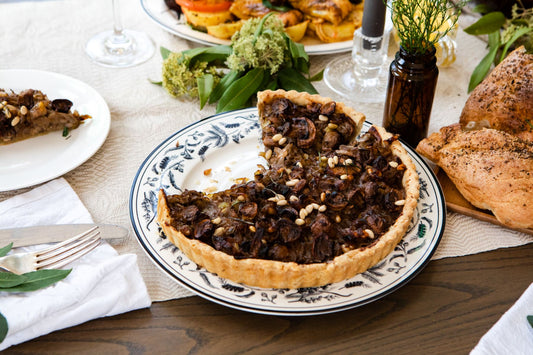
167	19
39	159
212	154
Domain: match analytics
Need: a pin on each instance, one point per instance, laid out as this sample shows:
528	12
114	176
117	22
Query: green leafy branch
421	24
30	281
261	56
503	34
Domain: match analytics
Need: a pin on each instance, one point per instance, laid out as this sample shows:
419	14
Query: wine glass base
339	77
133	48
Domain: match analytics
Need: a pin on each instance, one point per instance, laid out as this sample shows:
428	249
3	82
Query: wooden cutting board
457	203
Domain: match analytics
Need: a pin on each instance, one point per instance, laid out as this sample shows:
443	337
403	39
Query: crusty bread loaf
492	169
504	100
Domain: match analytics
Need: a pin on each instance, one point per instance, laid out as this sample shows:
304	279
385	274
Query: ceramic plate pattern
228	144
168	20
36	160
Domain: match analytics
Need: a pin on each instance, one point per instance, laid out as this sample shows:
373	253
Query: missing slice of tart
328	206
30	113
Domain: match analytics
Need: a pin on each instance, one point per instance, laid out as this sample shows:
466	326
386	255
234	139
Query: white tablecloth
50	35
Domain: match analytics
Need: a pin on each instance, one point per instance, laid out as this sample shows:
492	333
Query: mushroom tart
30	113
329	205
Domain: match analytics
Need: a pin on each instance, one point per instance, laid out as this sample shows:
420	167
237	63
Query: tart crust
279	274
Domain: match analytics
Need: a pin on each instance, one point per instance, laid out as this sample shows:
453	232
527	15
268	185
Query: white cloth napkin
512	334
102	283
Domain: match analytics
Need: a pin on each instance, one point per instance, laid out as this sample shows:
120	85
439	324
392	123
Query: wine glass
119	48
362	76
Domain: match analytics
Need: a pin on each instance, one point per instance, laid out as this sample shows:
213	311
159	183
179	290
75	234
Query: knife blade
25	236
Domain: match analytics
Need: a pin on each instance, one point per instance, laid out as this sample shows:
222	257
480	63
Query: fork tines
67	251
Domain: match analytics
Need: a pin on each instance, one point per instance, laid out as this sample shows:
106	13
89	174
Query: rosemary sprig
421	24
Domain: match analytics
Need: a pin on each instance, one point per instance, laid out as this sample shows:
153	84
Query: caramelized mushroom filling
321	196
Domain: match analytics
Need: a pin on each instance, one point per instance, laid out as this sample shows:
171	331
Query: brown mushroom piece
331	140
305	132
248	209
203	229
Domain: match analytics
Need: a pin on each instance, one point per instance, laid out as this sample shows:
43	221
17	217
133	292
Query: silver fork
53	257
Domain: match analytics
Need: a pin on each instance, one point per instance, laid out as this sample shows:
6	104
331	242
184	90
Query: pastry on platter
327	206
30	113
492	169
504	100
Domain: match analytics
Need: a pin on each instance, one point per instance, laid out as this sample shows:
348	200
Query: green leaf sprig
530	320
30	281
503	34
421	24
261	56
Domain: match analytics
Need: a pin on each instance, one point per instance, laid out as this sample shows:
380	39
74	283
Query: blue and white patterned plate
209	155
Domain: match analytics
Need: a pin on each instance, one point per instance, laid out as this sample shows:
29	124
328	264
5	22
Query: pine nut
400	203
277	137
369	233
282	141
268	154
323	118
322	208
217	220
15	121
299	221
393	164
282	202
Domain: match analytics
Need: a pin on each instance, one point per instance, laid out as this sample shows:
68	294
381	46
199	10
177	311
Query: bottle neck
425	61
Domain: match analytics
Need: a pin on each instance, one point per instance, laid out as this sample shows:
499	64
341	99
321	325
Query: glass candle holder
362	77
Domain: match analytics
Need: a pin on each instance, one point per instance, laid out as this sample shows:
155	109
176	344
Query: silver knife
56	233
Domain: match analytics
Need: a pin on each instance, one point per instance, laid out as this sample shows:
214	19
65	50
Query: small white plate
158	11
229	144
36	160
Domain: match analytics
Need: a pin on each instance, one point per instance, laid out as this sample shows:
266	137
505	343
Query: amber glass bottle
410	92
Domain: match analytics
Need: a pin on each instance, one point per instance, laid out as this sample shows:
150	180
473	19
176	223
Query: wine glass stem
116	18
118	43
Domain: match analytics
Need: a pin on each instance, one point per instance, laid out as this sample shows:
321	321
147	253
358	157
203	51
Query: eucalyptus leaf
530	320
38	279
519	33
160	83
9	279
489	23
240	91
3	327
6	249
164	52
205	87
223	85
484	66
291	79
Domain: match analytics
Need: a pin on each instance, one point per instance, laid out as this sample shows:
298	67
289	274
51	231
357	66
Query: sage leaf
164	52
291	79
519	33
3	327
483	67
205	87
489	23
6	249
530	320
223	85
9	279
38	279
241	90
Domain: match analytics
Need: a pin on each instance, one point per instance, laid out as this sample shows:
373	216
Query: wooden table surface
444	310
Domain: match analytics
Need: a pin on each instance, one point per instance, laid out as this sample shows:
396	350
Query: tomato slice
204	5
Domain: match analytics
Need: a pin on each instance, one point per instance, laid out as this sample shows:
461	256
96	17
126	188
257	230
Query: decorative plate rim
418	265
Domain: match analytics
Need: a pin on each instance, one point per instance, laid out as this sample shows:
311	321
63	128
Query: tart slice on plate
30	113
329	204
